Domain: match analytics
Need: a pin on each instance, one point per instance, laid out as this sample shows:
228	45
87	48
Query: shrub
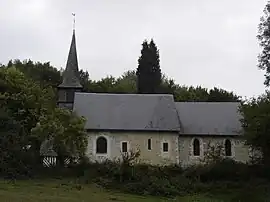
224	170
171	180
214	153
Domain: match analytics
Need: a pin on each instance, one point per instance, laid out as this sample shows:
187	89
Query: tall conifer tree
148	71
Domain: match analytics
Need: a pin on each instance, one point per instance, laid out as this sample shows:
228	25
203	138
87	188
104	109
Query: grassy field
60	191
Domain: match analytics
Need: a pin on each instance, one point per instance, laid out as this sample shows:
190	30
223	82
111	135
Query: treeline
47	75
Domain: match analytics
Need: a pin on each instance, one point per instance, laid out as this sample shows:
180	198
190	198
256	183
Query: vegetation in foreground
222	180
71	190
68	190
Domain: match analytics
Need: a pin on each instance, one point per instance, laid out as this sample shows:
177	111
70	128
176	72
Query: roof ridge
128	94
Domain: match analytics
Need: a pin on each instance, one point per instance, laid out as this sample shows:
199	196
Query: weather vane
73	14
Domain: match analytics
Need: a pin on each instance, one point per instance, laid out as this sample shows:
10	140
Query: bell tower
71	82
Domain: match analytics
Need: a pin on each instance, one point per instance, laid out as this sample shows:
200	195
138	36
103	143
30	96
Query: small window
70	95
196	147
149	144
101	145
165	147
62	95
124	146
228	148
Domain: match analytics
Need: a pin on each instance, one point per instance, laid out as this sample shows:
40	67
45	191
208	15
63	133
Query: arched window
228	148
196	147
101	145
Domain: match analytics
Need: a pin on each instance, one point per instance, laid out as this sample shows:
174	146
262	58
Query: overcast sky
202	42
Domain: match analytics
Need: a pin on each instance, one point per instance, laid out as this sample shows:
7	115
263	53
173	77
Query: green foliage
214	153
84	80
264	41
47	76
148	71
65	129
215	95
12	146
255	123
24	100
22	103
161	180
224	170
127	83
42	73
28	116
170	180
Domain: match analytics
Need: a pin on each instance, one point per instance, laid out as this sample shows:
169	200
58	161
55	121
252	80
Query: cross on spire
73	14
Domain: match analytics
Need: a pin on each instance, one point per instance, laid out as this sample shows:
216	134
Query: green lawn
60	191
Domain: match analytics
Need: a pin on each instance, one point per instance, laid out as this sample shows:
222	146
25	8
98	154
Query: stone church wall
136	140
240	152
180	148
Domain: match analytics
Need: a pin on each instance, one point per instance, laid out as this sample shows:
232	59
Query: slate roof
150	112
204	118
71	73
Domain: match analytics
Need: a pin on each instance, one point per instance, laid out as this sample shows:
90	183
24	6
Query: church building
165	131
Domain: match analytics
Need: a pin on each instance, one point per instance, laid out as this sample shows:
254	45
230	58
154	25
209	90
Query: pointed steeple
71	73
71	82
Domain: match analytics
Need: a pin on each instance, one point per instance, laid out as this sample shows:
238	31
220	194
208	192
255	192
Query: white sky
208	43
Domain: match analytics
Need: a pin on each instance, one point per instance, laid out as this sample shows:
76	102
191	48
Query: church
164	131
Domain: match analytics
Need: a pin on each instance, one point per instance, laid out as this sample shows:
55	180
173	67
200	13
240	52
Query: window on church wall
196	147
124	147
228	148
101	145
149	144
165	147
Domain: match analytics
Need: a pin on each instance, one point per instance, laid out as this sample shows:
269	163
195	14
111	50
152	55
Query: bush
166	181
224	170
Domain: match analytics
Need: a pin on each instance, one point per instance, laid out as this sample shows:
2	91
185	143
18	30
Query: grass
64	190
70	191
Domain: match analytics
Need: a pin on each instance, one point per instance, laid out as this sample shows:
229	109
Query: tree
32	109
23	99
84	79
22	102
47	76
126	83
255	123
218	95
66	132
264	41
12	150
148	71
42	73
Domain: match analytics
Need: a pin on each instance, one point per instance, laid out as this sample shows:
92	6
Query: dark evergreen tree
148	73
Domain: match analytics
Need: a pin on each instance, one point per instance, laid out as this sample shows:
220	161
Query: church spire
71	82
71	73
